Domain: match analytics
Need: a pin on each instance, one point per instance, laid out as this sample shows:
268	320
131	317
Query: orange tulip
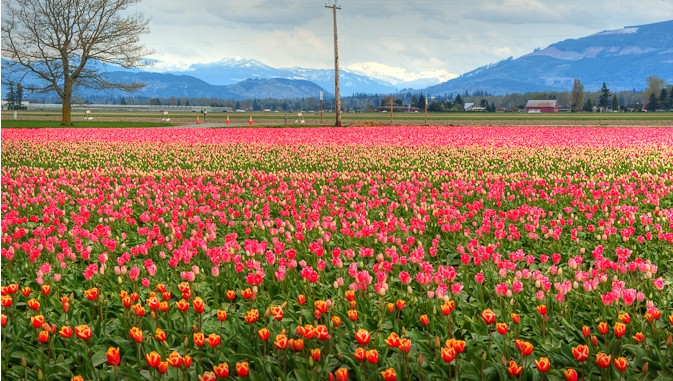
400	304
502	328
7	301
350	295
516	318
162	368
208	376
113	356
586	331
83	332
621	364
182	305
281	342
321	332
214	340
619	329
43	336
514	370
247	293
199	339
252	316
341	374
389	374
242	368
301	299
136	334
424	320
221	315
65	331
33	304
542	364
199	305
372	356
353	315
525	347
315	354
393	340
186	361
222	370
26	291
448	307
336	321
153	359
321	306
77	378
4	320
570	374
625	317
160	335
37	321
581	352
448	354
91	293
360	354
405	345
542	309
46	289
174	359
639	337
362	336
603	360
231	295
296	344
263	334
488	316
139	309
277	312
153	303
603	328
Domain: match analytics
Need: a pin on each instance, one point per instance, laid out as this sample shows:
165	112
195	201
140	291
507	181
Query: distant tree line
657	96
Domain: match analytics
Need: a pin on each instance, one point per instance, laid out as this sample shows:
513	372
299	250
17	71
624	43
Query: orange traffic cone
250	122
228	119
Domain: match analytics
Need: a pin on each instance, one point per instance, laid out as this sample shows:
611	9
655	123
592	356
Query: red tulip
362	336
213	340
513	369
621	364
581	352
153	359
242	368
488	316
341	374
542	364
113	356
174	359
136	334
603	360
43	336
263	334
619	329
570	374
83	332
389	374
199	339
222	370
372	356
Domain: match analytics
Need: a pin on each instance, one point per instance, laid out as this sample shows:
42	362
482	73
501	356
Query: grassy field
46	119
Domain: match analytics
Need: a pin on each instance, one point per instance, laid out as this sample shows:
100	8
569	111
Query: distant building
535	106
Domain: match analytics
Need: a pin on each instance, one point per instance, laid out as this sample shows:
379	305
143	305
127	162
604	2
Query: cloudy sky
401	38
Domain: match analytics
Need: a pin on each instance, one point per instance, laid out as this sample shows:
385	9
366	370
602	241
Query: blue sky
399	38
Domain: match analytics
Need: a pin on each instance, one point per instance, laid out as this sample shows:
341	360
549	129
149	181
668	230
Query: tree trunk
66	117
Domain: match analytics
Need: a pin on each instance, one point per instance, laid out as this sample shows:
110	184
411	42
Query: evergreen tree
588	107
604	99
11	96
615	103
664	100
421	102
458	100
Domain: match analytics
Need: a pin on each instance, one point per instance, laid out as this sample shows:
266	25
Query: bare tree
577	95
56	42
654	86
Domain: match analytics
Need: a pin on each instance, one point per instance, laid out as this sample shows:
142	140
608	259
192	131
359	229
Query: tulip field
373	253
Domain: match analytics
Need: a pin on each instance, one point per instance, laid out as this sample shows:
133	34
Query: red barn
541	106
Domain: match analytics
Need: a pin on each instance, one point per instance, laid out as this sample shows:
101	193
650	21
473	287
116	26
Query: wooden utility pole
337	92
391	110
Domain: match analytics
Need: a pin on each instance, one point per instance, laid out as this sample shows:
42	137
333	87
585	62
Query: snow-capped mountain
622	58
